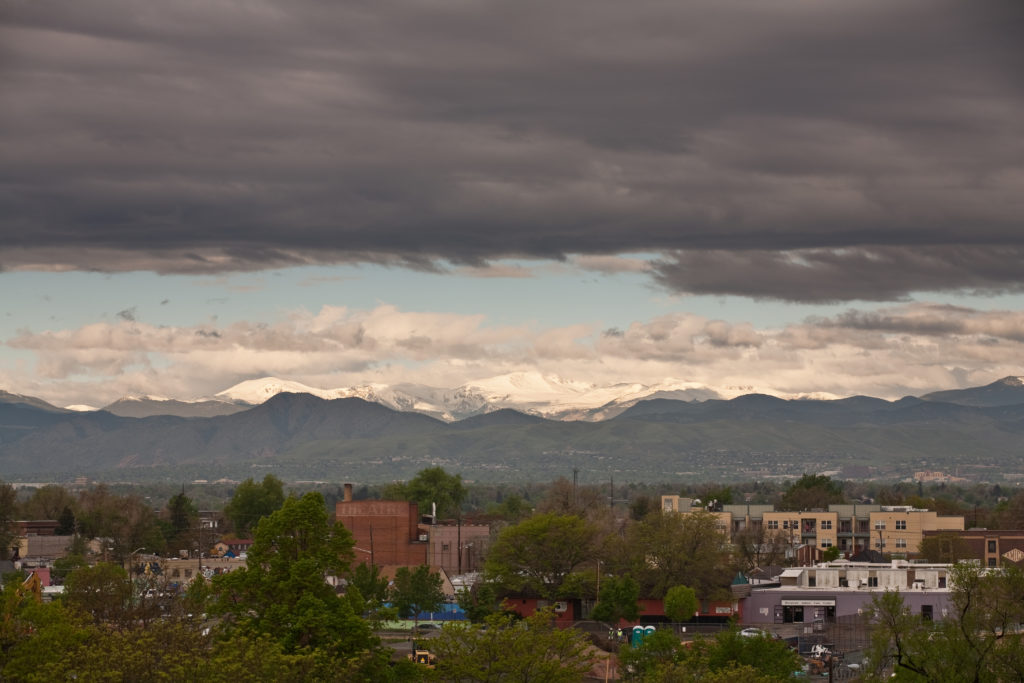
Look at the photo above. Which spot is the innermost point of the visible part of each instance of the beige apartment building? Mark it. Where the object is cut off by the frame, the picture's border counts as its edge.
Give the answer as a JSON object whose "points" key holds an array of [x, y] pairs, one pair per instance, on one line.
{"points": [[853, 528], [899, 529]]}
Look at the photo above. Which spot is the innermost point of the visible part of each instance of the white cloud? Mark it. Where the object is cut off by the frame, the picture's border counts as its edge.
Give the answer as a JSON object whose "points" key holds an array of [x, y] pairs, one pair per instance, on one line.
{"points": [[886, 352]]}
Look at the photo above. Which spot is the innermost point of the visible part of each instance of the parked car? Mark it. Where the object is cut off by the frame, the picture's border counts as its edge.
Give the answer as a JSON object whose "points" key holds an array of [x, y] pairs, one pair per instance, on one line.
{"points": [[755, 633]]}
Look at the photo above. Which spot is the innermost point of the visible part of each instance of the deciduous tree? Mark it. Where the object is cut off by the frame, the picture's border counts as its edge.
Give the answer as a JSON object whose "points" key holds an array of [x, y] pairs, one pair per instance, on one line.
{"points": [[416, 590], [429, 486], [977, 640], [541, 552], [670, 549], [811, 492], [510, 650], [252, 502], [617, 600], [680, 603], [282, 592]]}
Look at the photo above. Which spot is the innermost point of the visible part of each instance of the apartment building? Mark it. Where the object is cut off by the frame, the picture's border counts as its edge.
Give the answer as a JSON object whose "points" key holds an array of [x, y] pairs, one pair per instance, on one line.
{"points": [[853, 528], [899, 529]]}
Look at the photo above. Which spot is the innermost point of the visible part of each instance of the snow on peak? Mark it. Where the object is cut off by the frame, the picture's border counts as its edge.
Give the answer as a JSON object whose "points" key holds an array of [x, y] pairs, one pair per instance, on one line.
{"points": [[259, 390], [81, 408]]}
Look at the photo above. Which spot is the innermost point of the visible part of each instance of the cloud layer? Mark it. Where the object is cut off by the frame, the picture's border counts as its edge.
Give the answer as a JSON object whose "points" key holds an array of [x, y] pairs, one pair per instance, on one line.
{"points": [[822, 151], [887, 353]]}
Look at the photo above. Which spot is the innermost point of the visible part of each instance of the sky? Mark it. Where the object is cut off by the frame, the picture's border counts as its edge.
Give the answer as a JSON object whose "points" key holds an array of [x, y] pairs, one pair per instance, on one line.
{"points": [[802, 198]]}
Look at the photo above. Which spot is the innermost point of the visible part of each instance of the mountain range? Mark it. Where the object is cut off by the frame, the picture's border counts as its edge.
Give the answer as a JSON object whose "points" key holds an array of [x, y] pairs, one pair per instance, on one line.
{"points": [[547, 396], [976, 433]]}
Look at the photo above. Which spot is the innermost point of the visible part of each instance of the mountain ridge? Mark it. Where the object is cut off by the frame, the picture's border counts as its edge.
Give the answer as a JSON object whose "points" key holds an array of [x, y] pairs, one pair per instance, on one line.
{"points": [[753, 436]]}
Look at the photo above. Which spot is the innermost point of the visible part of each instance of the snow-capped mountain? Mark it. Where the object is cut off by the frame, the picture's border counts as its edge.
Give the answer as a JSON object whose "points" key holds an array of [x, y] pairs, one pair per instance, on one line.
{"points": [[549, 396]]}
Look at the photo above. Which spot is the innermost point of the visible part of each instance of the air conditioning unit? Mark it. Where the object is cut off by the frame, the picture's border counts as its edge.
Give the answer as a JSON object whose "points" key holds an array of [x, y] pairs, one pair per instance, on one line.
{"points": [[561, 606], [423, 537]]}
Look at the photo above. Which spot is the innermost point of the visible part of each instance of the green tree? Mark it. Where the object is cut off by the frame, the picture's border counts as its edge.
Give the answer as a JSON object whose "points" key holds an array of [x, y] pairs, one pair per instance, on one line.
{"points": [[978, 640], [617, 600], [680, 603], [417, 590], [641, 506], [811, 492], [66, 523], [768, 656], [655, 652], [512, 509], [8, 500], [47, 502], [479, 601], [540, 553], [669, 549], [367, 579], [429, 486], [509, 650], [102, 592], [182, 523], [725, 658], [252, 502], [125, 522], [34, 636], [282, 592]]}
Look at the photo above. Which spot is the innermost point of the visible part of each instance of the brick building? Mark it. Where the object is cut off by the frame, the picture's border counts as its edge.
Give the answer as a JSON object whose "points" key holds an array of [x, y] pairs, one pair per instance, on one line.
{"points": [[459, 548], [386, 532], [991, 547]]}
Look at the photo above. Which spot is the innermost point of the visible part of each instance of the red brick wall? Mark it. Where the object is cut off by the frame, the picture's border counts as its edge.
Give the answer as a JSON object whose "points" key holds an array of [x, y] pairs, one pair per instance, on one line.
{"points": [[387, 528]]}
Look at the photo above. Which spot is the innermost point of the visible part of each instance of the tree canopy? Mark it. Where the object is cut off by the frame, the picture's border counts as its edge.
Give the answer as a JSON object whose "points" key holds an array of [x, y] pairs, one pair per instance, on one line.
{"points": [[416, 590], [977, 640], [617, 600], [669, 549], [252, 502], [429, 486], [509, 650], [540, 553], [811, 492], [281, 593]]}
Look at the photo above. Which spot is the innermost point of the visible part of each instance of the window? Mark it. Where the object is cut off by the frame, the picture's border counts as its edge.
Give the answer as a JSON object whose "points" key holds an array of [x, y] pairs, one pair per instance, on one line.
{"points": [[826, 524], [773, 524], [785, 524], [872, 582], [901, 524], [880, 544], [668, 504], [879, 523], [926, 612], [901, 543], [991, 546], [446, 546], [992, 561], [812, 581], [826, 543]]}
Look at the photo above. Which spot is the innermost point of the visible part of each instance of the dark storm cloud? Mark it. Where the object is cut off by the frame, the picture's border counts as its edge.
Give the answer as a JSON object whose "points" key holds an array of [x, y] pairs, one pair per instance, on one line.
{"points": [[793, 150]]}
